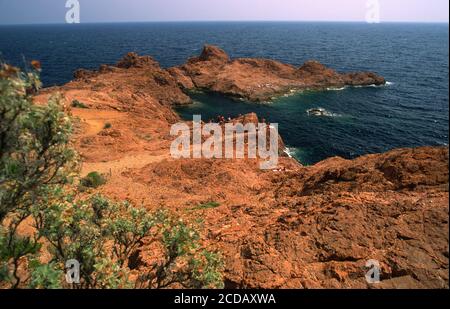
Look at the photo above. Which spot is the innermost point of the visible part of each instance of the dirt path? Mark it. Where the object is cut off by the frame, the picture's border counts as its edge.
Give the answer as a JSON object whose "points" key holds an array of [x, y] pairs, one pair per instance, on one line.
{"points": [[137, 160], [95, 121]]}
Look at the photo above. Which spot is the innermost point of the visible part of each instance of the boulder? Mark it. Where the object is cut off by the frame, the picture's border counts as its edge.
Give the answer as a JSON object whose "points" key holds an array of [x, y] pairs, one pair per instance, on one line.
{"points": [[133, 60]]}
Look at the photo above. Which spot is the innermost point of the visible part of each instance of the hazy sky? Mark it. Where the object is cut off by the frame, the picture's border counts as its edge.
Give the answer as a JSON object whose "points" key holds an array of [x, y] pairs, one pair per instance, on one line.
{"points": [[53, 11]]}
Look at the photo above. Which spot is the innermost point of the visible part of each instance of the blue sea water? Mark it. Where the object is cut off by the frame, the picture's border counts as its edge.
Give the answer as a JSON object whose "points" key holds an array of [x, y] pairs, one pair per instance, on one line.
{"points": [[411, 111]]}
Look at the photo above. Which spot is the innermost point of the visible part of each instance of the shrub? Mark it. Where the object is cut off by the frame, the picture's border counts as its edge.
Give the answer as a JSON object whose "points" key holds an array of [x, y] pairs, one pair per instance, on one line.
{"points": [[45, 276], [37, 165], [93, 180], [107, 125], [34, 144], [207, 205], [35, 156], [78, 104], [184, 263], [79, 230], [104, 235]]}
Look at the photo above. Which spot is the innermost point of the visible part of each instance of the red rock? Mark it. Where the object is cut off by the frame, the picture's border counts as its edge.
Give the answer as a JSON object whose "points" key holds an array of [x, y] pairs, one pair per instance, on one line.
{"points": [[133, 60], [213, 53], [261, 79], [363, 79], [184, 82], [303, 227], [83, 74]]}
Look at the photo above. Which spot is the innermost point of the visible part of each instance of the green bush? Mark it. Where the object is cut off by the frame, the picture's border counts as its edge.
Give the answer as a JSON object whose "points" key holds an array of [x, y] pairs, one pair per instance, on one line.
{"points": [[207, 205], [93, 180], [107, 126], [78, 104], [45, 276], [184, 264], [37, 165], [35, 156], [104, 235]]}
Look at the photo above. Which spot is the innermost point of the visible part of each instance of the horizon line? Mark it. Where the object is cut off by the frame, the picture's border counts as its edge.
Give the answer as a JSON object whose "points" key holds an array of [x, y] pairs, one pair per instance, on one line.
{"points": [[231, 21]]}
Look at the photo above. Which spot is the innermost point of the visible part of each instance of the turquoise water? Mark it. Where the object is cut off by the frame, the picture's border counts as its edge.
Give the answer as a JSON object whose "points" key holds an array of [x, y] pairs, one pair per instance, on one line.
{"points": [[411, 111], [355, 126]]}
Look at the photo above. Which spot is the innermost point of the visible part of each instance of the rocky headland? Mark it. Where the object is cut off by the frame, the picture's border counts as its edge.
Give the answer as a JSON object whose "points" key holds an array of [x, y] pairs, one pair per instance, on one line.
{"points": [[261, 79], [292, 227], [250, 79]]}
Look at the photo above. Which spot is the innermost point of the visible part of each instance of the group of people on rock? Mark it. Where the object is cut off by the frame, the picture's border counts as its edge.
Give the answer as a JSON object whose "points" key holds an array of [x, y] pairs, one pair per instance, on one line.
{"points": [[221, 119]]}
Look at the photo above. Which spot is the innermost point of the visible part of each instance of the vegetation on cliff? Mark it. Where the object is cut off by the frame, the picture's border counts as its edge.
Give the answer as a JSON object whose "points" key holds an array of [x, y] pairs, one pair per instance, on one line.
{"points": [[45, 222]]}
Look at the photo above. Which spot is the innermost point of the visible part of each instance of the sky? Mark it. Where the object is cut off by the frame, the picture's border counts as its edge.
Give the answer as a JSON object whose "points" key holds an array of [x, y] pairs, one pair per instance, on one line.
{"points": [[54, 11]]}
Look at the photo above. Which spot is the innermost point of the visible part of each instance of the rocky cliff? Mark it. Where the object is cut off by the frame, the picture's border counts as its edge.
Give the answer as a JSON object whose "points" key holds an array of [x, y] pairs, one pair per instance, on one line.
{"points": [[291, 227], [261, 79]]}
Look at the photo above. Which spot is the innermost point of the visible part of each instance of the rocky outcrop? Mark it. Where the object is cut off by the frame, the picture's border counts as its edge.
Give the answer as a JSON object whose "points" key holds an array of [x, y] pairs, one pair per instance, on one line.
{"points": [[363, 79], [130, 60], [212, 53], [84, 74], [318, 226], [243, 78], [183, 81], [133, 60], [147, 78], [261, 79], [254, 119], [290, 227], [328, 220]]}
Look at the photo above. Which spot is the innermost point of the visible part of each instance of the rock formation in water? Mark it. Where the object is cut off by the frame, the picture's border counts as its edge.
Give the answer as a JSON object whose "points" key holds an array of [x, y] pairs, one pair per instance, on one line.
{"points": [[260, 79]]}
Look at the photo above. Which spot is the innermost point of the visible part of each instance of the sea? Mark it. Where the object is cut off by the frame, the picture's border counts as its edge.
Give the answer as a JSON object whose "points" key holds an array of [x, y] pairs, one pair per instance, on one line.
{"points": [[410, 111]]}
